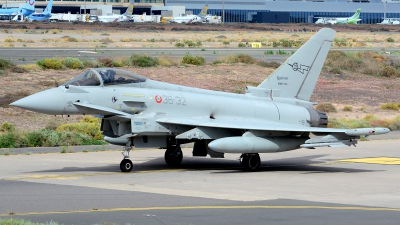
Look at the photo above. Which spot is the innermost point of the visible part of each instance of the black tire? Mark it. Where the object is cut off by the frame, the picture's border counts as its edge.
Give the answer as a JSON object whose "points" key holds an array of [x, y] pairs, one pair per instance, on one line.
{"points": [[173, 157], [126, 165], [251, 162]]}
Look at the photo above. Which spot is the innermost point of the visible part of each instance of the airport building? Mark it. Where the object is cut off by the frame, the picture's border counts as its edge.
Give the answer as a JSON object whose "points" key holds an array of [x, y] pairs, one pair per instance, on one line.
{"points": [[256, 11], [284, 11]]}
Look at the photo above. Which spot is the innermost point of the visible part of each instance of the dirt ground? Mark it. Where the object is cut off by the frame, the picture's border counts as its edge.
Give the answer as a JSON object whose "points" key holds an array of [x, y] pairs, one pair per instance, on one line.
{"points": [[364, 93]]}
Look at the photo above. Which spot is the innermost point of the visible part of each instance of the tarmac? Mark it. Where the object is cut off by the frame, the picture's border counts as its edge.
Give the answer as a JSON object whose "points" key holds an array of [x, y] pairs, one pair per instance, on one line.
{"points": [[357, 185]]}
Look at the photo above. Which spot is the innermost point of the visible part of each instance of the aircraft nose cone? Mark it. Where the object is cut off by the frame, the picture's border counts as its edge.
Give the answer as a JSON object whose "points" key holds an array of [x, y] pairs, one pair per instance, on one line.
{"points": [[50, 101]]}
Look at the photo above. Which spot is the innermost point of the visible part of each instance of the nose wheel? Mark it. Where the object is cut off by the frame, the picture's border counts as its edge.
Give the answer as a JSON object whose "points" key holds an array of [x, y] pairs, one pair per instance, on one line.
{"points": [[250, 162], [126, 165]]}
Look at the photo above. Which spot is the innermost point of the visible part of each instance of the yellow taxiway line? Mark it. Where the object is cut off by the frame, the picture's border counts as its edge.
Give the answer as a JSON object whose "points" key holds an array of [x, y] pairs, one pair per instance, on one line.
{"points": [[349, 208]]}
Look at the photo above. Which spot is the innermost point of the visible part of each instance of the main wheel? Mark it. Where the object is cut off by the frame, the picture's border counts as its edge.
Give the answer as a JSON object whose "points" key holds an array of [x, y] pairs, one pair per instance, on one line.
{"points": [[126, 165], [251, 162], [173, 156]]}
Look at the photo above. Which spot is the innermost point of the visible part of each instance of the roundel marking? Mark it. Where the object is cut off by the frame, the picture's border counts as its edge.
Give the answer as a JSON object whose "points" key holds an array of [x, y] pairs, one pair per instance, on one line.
{"points": [[158, 99]]}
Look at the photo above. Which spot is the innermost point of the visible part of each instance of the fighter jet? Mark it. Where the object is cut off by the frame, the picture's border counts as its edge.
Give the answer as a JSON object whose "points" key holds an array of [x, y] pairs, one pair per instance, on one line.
{"points": [[275, 116]]}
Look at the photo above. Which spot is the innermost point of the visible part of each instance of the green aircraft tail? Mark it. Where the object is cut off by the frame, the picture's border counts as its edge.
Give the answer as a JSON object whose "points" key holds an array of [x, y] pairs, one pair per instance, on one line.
{"points": [[297, 76], [357, 14]]}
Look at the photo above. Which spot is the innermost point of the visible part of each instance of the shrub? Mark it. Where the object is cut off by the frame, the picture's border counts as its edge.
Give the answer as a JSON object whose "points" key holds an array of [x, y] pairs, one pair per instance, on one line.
{"points": [[244, 58], [8, 40], [391, 106], [71, 39], [35, 138], [286, 43], [68, 138], [5, 64], [344, 61], [237, 58], [6, 127], [269, 52], [50, 63], [389, 71], [281, 52], [107, 62], [143, 61], [226, 42], [90, 129], [335, 70], [190, 44], [339, 42], [18, 69], [269, 64], [118, 63], [389, 39], [241, 45], [89, 63], [7, 140], [50, 138], [52, 124], [348, 108], [326, 107], [179, 45], [167, 61], [193, 60], [73, 63]]}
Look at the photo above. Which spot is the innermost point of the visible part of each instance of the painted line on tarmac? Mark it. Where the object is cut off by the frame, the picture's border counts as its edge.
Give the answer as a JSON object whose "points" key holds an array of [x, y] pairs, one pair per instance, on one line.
{"points": [[374, 160], [348, 208]]}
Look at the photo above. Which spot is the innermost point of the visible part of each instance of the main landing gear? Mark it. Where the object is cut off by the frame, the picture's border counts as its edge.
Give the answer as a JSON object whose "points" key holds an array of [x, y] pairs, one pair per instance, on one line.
{"points": [[173, 155], [126, 164], [250, 162]]}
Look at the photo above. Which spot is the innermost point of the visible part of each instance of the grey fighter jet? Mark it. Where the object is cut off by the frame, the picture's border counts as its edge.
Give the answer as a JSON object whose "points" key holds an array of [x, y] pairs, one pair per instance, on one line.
{"points": [[275, 116]]}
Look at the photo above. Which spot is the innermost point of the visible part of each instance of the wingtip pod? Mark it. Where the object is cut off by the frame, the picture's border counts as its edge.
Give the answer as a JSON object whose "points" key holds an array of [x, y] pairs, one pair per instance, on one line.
{"points": [[367, 131]]}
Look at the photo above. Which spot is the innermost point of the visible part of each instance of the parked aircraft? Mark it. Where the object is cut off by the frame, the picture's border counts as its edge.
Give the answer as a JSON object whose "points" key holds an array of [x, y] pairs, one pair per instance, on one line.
{"points": [[340, 20], [118, 18], [201, 17], [275, 116], [391, 21], [45, 15], [25, 10]]}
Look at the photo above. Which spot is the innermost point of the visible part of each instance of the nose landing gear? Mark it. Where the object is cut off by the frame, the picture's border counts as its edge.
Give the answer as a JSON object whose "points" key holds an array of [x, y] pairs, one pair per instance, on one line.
{"points": [[126, 164]]}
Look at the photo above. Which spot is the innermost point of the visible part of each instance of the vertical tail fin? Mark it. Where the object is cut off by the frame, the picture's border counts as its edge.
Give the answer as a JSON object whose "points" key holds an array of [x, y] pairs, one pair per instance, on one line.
{"points": [[29, 5], [357, 14], [203, 12], [49, 7], [129, 10], [297, 76]]}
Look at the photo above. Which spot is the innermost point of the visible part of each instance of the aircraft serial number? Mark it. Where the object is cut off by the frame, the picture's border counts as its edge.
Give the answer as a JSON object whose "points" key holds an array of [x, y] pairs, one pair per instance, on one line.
{"points": [[174, 100]]}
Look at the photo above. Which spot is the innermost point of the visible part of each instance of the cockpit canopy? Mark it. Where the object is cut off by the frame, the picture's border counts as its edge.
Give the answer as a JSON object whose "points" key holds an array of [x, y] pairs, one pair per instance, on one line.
{"points": [[105, 77]]}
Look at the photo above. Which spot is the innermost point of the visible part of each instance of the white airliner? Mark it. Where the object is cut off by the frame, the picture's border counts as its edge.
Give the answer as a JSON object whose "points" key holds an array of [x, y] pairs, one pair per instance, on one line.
{"points": [[391, 21], [340, 20], [116, 17], [199, 18]]}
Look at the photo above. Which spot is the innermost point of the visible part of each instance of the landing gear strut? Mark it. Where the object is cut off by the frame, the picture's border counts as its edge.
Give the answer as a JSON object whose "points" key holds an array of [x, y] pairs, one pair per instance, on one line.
{"points": [[126, 164], [173, 155], [250, 162]]}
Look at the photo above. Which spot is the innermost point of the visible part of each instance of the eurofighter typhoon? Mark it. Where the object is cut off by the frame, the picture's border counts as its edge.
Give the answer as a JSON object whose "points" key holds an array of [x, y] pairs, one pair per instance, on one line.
{"points": [[275, 116]]}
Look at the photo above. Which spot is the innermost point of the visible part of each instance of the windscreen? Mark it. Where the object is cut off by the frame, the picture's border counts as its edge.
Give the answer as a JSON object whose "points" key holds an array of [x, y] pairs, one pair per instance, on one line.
{"points": [[116, 77], [87, 78]]}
